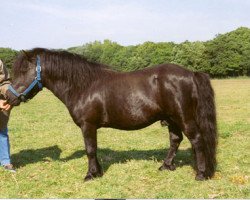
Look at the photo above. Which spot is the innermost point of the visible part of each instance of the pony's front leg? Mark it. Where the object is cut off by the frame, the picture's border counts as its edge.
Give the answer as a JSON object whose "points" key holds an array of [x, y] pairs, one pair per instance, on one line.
{"points": [[90, 139]]}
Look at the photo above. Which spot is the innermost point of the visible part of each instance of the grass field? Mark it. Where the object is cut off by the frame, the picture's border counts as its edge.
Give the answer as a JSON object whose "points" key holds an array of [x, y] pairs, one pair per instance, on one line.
{"points": [[47, 149]]}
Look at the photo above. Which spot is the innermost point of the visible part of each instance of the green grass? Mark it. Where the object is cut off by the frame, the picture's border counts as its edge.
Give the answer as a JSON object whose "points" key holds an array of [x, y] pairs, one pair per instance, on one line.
{"points": [[47, 149]]}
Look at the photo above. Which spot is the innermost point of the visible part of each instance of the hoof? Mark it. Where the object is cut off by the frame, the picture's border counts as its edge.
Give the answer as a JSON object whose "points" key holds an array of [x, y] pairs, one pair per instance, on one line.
{"points": [[200, 177], [167, 167], [88, 177], [91, 176]]}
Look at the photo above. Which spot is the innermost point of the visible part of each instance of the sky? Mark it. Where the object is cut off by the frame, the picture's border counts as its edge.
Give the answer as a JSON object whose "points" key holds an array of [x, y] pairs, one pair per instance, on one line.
{"points": [[25, 24]]}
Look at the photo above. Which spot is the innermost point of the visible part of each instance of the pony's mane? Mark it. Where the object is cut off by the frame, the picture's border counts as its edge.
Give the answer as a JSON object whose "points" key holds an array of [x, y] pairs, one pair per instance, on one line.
{"points": [[64, 65]]}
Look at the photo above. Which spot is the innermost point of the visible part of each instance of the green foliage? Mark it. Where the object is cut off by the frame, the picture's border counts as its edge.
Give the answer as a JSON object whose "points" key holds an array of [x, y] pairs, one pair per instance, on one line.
{"points": [[224, 56], [154, 53], [190, 55], [124, 60], [229, 54], [7, 55]]}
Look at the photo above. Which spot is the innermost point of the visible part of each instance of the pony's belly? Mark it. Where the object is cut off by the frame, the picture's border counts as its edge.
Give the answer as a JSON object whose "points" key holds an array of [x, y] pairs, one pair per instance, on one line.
{"points": [[132, 120], [130, 126]]}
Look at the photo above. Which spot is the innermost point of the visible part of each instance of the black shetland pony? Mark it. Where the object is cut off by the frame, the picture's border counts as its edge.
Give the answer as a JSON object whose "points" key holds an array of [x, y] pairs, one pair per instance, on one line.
{"points": [[96, 96]]}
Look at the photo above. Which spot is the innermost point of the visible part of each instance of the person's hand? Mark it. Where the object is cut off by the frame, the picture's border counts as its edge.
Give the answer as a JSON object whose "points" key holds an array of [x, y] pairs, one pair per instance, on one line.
{"points": [[4, 105]]}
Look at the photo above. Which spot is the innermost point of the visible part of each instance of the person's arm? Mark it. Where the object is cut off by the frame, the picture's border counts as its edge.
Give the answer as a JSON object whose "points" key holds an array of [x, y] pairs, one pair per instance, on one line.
{"points": [[4, 83], [4, 79]]}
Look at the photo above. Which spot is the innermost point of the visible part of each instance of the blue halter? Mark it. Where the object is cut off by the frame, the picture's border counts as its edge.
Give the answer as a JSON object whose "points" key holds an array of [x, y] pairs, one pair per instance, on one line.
{"points": [[23, 96]]}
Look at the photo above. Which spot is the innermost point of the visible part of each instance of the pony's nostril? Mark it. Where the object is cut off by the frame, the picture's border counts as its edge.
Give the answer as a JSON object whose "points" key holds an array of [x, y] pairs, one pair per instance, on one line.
{"points": [[22, 98]]}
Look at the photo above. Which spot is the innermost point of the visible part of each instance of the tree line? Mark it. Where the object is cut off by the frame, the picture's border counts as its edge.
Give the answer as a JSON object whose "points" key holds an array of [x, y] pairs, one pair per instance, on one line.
{"points": [[224, 56]]}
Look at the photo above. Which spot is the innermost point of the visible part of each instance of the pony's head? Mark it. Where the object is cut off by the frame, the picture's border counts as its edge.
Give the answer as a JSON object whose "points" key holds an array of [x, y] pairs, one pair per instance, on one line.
{"points": [[26, 78]]}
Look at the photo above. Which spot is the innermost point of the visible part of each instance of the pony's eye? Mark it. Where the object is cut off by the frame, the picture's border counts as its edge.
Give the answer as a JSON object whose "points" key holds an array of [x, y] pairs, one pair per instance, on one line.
{"points": [[24, 69], [26, 66]]}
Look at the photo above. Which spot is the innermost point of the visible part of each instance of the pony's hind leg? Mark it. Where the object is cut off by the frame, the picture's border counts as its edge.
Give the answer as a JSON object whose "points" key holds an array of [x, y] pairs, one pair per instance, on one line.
{"points": [[90, 140], [197, 142], [176, 137]]}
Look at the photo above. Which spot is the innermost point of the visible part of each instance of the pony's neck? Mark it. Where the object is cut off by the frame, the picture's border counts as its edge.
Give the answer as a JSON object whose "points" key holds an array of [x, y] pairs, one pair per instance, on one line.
{"points": [[69, 82], [60, 89]]}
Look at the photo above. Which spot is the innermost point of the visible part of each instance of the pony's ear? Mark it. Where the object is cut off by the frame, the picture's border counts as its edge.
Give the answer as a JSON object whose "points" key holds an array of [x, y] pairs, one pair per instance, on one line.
{"points": [[26, 55]]}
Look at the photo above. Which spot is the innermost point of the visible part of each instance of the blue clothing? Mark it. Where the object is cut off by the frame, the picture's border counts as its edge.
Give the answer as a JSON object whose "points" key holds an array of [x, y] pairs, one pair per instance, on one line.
{"points": [[4, 147]]}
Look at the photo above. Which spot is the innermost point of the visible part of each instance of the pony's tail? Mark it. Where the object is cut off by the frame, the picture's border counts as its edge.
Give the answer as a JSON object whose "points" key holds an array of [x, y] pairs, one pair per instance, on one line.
{"points": [[206, 120]]}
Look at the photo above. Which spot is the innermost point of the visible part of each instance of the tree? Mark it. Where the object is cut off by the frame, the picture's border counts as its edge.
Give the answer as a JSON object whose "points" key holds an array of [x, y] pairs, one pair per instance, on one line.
{"points": [[228, 54], [122, 58], [190, 55], [109, 49], [7, 55], [154, 53]]}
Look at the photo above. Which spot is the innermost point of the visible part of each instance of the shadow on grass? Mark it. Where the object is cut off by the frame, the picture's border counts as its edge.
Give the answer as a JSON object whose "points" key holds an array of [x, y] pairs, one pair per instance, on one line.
{"points": [[106, 156], [29, 156], [109, 157]]}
